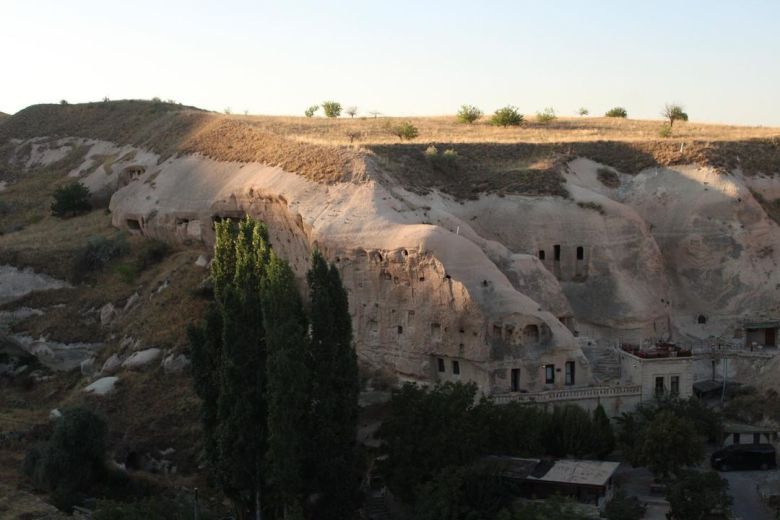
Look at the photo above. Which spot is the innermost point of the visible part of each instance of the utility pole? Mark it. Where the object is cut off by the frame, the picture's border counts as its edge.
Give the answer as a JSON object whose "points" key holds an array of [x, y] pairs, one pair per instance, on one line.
{"points": [[725, 375]]}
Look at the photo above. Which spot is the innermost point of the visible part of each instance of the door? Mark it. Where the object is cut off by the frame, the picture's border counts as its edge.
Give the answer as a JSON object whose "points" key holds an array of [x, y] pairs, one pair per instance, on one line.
{"points": [[770, 337]]}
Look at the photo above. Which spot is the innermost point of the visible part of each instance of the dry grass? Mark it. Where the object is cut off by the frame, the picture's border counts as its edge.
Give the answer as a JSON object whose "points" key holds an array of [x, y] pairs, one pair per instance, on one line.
{"points": [[445, 129], [523, 160]]}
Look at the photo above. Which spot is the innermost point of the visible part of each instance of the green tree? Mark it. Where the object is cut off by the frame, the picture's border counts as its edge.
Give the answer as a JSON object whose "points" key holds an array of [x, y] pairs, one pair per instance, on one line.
{"points": [[507, 116], [468, 114], [427, 430], [667, 444], [476, 491], [617, 112], [623, 507], [71, 200], [513, 428], [583, 111], [698, 495], [288, 380], [72, 459], [331, 108], [309, 112], [570, 431], [674, 113], [405, 131], [334, 392], [604, 437], [230, 375]]}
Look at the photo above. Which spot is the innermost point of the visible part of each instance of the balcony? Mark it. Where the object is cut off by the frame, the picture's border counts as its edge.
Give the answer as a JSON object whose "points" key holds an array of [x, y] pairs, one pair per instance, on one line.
{"points": [[573, 394]]}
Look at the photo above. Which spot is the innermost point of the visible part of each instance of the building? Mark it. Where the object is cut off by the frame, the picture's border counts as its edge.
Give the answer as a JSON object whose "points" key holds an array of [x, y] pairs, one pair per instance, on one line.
{"points": [[663, 370], [587, 481], [745, 434], [761, 333]]}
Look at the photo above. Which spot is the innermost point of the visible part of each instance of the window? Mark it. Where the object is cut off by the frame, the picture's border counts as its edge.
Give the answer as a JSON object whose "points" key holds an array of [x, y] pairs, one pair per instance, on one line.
{"points": [[659, 386], [702, 319], [549, 374], [580, 253], [515, 379], [440, 361], [455, 368], [736, 438], [674, 386], [557, 252], [400, 329], [541, 254], [569, 373], [531, 333], [756, 438]]}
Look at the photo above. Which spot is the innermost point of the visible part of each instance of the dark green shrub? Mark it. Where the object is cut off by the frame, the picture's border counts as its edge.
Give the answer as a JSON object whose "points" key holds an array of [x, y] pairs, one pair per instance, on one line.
{"points": [[468, 114], [699, 495], [152, 252], [583, 111], [72, 459], [71, 199], [309, 112], [623, 507], [331, 108], [405, 131], [98, 252], [617, 112], [507, 116]]}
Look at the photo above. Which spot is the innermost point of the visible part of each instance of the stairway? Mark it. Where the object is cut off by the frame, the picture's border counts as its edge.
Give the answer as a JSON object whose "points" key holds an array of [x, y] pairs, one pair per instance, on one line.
{"points": [[604, 362]]}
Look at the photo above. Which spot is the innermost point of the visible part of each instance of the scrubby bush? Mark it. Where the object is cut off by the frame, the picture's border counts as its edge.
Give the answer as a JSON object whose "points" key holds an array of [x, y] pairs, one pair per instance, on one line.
{"points": [[468, 114], [546, 116], [699, 495], [64, 102], [405, 131], [583, 111], [351, 111], [674, 113], [623, 507], [72, 459], [331, 108], [444, 160], [70, 200], [507, 116], [98, 251], [617, 112], [665, 130], [309, 112], [228, 111]]}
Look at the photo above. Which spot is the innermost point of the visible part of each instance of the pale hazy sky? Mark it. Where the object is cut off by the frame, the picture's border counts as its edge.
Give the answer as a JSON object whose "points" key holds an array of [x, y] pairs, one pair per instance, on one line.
{"points": [[721, 60]]}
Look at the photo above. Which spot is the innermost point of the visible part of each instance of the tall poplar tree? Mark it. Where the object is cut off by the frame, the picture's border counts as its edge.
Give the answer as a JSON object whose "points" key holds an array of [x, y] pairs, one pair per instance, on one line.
{"points": [[229, 365], [287, 395], [334, 393]]}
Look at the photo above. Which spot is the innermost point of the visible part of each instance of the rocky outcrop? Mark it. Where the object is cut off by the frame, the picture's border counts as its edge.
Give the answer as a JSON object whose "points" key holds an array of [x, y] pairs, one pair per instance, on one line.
{"points": [[493, 287]]}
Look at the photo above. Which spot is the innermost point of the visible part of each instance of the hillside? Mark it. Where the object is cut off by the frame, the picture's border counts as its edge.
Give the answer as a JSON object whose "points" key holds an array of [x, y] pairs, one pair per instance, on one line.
{"points": [[528, 246]]}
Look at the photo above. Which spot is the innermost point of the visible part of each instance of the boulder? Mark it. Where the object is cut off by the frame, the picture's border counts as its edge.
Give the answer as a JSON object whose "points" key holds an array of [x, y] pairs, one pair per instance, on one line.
{"points": [[131, 301], [142, 358], [111, 365], [201, 261], [107, 314], [55, 414], [173, 364], [102, 386]]}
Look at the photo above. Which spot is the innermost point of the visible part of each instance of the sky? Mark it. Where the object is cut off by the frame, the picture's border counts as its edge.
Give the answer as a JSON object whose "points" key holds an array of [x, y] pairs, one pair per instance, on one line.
{"points": [[720, 60]]}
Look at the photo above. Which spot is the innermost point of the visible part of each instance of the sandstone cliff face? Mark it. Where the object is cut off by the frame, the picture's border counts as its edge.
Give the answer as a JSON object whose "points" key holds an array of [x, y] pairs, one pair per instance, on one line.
{"points": [[488, 285]]}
